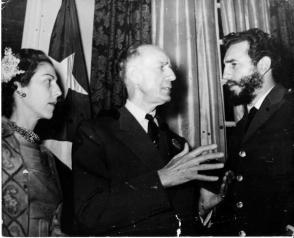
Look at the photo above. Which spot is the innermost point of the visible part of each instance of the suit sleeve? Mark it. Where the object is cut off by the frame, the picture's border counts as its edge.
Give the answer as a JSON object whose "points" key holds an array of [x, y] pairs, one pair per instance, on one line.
{"points": [[100, 206]]}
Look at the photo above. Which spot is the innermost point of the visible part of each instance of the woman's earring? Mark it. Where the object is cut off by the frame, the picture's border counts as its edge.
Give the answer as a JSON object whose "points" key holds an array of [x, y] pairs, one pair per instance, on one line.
{"points": [[21, 93]]}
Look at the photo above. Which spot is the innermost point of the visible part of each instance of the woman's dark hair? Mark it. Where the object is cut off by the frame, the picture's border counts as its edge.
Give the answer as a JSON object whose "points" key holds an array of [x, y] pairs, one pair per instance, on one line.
{"points": [[262, 44], [29, 61]]}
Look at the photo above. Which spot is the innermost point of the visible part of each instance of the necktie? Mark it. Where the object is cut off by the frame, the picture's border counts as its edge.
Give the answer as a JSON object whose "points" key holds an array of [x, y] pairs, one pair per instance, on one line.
{"points": [[153, 130], [250, 116]]}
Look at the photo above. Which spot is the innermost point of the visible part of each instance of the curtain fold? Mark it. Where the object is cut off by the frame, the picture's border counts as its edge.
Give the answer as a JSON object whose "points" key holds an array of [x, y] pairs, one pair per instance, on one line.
{"points": [[240, 15], [282, 22], [186, 30], [282, 28], [117, 25]]}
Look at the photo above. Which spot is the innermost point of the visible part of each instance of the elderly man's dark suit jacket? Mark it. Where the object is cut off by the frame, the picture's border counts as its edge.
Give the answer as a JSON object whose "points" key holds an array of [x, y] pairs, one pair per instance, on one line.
{"points": [[261, 199], [116, 187]]}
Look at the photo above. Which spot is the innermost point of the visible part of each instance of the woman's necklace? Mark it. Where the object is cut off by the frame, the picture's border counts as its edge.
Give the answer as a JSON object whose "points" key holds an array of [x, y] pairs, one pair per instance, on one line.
{"points": [[28, 135]]}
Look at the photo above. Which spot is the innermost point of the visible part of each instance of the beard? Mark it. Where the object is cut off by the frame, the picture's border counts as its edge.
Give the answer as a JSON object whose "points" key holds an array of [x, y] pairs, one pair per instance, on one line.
{"points": [[248, 85]]}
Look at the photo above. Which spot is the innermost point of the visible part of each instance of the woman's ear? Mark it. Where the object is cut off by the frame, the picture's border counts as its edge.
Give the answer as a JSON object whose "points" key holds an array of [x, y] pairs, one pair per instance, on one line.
{"points": [[17, 84], [264, 65], [20, 91]]}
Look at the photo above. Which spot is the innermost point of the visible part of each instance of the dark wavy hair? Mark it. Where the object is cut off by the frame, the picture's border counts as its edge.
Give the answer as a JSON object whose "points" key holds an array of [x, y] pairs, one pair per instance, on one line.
{"points": [[29, 61], [262, 44]]}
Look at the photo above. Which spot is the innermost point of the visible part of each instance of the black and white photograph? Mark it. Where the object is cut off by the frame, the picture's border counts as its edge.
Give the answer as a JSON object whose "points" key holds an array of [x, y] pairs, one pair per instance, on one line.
{"points": [[147, 118]]}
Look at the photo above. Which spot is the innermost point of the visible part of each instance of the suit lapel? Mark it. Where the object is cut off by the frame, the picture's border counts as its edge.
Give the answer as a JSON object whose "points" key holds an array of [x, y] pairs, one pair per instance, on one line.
{"points": [[136, 139], [269, 106], [163, 145]]}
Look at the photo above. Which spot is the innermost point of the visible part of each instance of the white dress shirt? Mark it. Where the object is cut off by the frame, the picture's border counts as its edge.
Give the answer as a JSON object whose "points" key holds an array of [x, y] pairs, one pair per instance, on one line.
{"points": [[140, 114]]}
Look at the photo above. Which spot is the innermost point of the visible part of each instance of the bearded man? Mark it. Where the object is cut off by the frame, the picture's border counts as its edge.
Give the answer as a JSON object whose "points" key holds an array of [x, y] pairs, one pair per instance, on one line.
{"points": [[260, 199]]}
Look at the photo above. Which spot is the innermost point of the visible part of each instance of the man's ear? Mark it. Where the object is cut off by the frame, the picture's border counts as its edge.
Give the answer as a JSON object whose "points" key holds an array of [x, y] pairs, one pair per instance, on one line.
{"points": [[264, 65], [134, 74]]}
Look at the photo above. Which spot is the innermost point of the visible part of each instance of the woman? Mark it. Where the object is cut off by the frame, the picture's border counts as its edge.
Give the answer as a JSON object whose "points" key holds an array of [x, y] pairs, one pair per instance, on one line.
{"points": [[31, 196]]}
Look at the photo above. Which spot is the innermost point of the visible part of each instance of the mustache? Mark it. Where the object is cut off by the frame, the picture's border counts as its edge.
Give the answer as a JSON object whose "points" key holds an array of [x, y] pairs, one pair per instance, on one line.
{"points": [[231, 83]]}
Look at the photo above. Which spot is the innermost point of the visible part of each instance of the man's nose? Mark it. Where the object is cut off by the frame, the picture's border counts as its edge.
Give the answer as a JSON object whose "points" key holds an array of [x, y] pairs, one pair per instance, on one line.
{"points": [[227, 73], [171, 74]]}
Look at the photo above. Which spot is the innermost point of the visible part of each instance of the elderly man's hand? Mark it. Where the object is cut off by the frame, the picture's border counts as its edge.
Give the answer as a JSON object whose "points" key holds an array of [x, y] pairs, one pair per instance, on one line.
{"points": [[185, 166]]}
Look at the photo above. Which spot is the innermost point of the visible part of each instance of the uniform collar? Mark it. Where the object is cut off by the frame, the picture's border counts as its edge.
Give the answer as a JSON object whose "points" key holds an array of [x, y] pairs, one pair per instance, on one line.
{"points": [[258, 103]]}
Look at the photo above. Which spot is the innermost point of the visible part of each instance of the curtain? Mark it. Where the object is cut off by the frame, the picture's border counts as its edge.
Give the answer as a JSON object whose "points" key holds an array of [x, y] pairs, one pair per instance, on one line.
{"points": [[186, 30], [282, 21], [117, 25], [282, 28], [13, 15], [240, 15]]}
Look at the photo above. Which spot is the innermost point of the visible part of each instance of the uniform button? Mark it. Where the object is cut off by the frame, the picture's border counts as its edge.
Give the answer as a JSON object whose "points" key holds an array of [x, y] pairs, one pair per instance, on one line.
{"points": [[242, 233], [239, 178], [239, 204], [25, 171], [242, 154]]}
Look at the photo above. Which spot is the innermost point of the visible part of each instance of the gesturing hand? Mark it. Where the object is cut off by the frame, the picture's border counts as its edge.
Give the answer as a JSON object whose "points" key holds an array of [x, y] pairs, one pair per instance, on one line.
{"points": [[209, 200], [184, 166]]}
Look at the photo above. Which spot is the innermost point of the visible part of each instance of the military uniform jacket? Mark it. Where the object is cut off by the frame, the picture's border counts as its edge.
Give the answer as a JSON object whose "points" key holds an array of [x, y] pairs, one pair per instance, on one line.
{"points": [[117, 190], [261, 199]]}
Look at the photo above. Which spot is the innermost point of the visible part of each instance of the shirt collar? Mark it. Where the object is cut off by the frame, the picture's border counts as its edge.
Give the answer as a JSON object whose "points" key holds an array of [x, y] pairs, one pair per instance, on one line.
{"points": [[258, 103], [137, 112]]}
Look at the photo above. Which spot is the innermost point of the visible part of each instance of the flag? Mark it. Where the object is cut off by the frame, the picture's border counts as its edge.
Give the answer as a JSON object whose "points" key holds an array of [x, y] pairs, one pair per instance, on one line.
{"points": [[66, 52]]}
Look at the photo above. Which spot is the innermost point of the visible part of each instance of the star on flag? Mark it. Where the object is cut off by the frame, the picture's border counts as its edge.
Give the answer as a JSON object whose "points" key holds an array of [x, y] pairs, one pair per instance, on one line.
{"points": [[64, 69]]}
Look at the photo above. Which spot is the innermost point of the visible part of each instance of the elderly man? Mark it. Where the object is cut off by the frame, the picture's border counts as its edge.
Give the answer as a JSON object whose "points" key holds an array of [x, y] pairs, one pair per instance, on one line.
{"points": [[260, 201], [132, 175]]}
